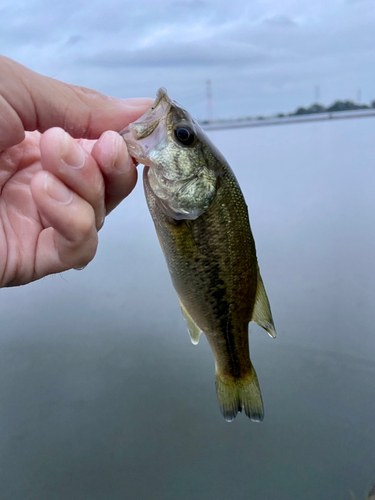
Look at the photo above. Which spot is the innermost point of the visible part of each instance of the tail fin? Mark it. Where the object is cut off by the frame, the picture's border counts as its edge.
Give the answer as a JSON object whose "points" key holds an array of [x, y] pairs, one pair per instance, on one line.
{"points": [[234, 394]]}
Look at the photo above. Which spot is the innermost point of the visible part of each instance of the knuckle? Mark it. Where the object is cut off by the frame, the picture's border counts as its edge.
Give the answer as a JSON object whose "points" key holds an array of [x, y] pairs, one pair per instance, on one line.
{"points": [[86, 227], [81, 223], [85, 251], [89, 254]]}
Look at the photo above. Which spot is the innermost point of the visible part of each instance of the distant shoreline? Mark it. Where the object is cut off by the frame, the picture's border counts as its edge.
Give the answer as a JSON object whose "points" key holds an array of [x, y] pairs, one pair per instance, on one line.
{"points": [[290, 119]]}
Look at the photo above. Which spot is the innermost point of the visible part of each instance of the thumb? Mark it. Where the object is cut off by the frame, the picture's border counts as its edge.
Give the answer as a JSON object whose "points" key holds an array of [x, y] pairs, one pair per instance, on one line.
{"points": [[30, 101]]}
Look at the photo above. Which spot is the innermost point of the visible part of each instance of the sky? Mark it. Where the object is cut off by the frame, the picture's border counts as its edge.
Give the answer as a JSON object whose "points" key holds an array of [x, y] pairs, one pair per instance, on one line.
{"points": [[262, 56]]}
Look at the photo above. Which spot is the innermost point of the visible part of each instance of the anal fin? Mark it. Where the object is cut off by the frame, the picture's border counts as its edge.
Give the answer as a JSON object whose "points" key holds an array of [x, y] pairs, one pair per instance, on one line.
{"points": [[262, 315], [194, 330]]}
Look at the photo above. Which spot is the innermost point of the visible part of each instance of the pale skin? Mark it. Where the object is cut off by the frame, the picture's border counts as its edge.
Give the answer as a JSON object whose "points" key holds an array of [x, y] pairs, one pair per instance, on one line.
{"points": [[63, 168]]}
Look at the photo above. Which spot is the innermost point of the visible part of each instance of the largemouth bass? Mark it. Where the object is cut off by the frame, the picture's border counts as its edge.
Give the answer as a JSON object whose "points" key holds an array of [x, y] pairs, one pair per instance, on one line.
{"points": [[202, 222]]}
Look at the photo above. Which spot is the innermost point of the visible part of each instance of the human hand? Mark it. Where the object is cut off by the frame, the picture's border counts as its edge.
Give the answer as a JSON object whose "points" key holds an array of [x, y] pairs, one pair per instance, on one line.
{"points": [[56, 190]]}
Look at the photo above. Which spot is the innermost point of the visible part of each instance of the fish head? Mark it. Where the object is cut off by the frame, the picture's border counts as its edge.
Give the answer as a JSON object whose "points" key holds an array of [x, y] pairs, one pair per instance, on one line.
{"points": [[184, 165]]}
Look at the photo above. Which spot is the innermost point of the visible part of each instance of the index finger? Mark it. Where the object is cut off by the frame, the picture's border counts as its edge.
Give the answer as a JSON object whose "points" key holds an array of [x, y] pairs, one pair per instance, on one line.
{"points": [[31, 101]]}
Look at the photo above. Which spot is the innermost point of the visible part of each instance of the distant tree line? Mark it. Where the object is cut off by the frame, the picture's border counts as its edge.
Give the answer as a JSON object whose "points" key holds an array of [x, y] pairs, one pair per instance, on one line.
{"points": [[314, 108], [336, 106]]}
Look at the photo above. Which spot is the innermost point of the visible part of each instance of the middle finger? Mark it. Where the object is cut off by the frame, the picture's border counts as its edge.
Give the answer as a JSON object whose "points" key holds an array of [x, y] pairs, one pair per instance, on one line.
{"points": [[75, 167]]}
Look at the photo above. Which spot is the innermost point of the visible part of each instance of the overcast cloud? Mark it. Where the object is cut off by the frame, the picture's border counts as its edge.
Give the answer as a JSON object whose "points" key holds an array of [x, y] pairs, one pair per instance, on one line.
{"points": [[262, 56]]}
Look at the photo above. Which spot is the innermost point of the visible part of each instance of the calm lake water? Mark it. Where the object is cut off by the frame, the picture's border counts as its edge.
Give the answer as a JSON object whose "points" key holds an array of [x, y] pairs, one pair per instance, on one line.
{"points": [[103, 396]]}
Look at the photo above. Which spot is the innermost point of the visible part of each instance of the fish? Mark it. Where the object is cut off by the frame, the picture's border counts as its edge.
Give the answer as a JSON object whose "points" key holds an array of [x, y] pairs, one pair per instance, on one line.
{"points": [[202, 222]]}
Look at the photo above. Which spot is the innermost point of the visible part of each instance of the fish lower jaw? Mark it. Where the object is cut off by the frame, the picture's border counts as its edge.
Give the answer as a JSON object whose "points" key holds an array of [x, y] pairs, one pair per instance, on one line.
{"points": [[137, 153]]}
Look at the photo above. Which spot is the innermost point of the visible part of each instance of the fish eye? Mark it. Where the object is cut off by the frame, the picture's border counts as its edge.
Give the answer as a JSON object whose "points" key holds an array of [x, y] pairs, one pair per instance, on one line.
{"points": [[184, 135]]}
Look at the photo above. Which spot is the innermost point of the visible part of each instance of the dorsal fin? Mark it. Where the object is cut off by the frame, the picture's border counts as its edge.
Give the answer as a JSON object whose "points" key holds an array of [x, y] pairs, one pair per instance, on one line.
{"points": [[194, 330], [262, 315]]}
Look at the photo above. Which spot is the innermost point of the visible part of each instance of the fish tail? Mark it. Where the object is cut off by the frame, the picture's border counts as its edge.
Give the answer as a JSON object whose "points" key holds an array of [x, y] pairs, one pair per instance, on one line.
{"points": [[235, 394]]}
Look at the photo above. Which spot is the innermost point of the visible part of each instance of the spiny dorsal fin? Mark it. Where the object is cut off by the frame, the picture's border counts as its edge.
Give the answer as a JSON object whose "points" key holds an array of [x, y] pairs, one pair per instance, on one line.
{"points": [[262, 315], [194, 330]]}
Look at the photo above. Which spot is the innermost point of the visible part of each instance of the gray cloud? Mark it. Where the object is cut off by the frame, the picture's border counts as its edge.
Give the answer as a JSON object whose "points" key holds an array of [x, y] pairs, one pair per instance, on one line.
{"points": [[182, 54], [74, 39], [280, 21], [261, 57]]}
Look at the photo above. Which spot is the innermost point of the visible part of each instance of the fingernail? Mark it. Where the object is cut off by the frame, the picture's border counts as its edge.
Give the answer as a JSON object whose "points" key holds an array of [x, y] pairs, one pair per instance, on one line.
{"points": [[139, 102], [71, 153], [123, 163], [113, 153], [56, 190], [101, 223]]}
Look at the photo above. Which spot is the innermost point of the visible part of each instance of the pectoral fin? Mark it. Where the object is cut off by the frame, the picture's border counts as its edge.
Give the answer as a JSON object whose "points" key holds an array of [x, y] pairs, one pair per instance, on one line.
{"points": [[262, 315], [194, 330]]}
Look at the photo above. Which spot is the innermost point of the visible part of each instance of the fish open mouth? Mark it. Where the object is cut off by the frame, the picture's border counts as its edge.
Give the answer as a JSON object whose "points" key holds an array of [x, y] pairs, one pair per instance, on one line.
{"points": [[145, 133]]}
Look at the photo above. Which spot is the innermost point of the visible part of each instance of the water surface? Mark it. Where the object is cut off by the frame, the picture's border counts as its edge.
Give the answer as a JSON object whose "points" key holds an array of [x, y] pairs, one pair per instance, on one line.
{"points": [[104, 396]]}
